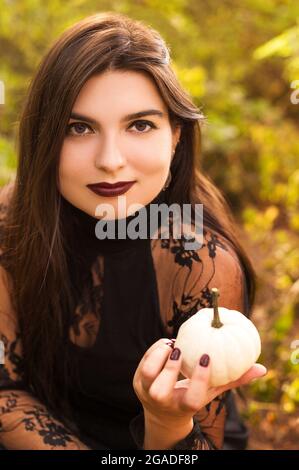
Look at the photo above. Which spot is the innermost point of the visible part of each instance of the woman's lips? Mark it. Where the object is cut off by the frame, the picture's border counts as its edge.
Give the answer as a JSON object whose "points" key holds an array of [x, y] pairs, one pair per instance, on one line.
{"points": [[110, 190]]}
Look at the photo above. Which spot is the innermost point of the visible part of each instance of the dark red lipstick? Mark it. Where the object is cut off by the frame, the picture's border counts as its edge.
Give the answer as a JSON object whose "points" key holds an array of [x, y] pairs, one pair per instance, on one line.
{"points": [[110, 190]]}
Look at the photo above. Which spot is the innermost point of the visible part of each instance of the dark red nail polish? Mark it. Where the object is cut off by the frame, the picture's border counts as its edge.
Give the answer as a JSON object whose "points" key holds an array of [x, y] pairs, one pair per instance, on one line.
{"points": [[175, 354], [204, 360], [170, 343]]}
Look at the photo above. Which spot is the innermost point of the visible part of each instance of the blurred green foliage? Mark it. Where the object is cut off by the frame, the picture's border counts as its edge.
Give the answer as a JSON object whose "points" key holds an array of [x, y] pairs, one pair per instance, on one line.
{"points": [[238, 60]]}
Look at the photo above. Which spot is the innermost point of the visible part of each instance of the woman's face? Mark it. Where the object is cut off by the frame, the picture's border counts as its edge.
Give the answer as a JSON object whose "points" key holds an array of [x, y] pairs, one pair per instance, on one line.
{"points": [[103, 145]]}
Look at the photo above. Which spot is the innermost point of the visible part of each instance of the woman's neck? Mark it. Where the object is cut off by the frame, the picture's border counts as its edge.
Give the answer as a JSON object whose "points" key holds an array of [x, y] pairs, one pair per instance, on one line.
{"points": [[88, 234]]}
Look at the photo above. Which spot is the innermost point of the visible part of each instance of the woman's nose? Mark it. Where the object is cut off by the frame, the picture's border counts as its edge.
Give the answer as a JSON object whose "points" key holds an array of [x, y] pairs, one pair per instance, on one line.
{"points": [[110, 159]]}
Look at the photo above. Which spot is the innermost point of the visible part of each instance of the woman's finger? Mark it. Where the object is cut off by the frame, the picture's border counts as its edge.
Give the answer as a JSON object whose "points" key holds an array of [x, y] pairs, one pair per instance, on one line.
{"points": [[255, 372], [198, 385], [162, 387], [182, 384], [153, 363], [157, 344]]}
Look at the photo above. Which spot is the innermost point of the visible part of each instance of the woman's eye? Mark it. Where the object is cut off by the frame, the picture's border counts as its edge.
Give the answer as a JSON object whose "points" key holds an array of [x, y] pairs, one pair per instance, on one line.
{"points": [[143, 123], [77, 128]]}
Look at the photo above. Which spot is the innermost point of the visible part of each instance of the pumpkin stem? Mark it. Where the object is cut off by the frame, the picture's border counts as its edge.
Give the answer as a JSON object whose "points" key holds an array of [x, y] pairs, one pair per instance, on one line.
{"points": [[216, 323]]}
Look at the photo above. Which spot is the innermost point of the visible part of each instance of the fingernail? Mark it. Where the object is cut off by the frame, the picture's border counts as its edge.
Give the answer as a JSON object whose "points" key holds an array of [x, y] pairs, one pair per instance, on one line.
{"points": [[170, 343], [175, 354], [263, 370], [204, 360], [168, 340]]}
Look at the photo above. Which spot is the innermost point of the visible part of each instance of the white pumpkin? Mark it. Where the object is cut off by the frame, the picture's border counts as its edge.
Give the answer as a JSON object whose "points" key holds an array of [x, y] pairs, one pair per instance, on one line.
{"points": [[227, 336]]}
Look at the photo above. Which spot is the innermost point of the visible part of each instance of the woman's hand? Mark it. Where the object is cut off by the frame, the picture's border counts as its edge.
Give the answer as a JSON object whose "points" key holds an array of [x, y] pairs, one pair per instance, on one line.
{"points": [[156, 384]]}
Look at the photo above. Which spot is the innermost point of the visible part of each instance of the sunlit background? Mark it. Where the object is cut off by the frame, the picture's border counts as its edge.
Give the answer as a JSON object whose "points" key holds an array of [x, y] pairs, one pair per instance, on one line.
{"points": [[240, 62]]}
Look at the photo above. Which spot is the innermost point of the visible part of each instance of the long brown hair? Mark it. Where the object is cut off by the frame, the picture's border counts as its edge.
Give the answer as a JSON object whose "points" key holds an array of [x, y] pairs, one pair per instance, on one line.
{"points": [[34, 244]]}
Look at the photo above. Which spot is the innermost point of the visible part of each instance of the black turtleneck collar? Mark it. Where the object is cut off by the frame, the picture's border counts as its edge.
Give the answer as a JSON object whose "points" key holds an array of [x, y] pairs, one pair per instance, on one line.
{"points": [[81, 229]]}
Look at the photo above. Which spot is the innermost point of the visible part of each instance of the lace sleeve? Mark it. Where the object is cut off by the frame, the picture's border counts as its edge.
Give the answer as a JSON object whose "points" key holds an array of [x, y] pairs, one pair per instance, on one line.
{"points": [[208, 427], [190, 276], [214, 264], [25, 423]]}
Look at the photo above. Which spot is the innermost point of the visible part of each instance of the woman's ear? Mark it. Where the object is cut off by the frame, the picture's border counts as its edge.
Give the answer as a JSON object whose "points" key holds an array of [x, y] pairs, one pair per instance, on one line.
{"points": [[176, 139], [176, 135]]}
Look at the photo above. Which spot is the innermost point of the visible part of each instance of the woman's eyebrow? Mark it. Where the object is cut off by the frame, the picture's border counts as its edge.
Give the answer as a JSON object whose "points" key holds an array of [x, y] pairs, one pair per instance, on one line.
{"points": [[148, 112]]}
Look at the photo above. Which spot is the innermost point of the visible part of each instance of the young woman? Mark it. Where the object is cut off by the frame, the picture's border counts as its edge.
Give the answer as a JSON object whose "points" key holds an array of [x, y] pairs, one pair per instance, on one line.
{"points": [[86, 322]]}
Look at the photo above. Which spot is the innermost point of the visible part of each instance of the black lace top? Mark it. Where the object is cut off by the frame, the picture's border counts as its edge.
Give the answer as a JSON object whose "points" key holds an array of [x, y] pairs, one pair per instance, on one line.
{"points": [[128, 294]]}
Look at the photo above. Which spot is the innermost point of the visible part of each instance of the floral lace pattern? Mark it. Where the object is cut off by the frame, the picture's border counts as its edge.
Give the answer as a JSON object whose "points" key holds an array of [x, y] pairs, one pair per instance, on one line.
{"points": [[27, 416], [86, 320]]}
